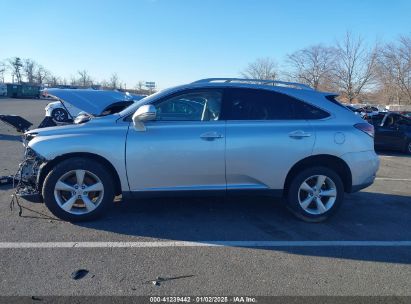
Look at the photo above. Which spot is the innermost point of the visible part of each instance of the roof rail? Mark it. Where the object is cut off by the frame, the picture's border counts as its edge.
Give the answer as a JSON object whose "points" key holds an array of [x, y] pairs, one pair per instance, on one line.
{"points": [[257, 81]]}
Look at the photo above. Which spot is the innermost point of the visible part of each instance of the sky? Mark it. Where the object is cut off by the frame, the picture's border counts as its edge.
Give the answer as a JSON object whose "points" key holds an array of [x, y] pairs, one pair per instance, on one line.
{"points": [[173, 42]]}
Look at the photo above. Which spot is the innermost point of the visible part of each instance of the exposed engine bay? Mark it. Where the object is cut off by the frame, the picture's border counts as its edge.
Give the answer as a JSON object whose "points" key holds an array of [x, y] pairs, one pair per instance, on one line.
{"points": [[27, 177]]}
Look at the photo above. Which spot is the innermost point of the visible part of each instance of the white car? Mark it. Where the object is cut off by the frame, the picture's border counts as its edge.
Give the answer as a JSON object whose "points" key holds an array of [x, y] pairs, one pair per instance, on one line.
{"points": [[72, 102], [60, 112]]}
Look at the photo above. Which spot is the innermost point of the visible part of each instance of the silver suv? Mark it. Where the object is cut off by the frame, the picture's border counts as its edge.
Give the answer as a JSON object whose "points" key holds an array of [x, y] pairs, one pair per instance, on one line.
{"points": [[220, 136]]}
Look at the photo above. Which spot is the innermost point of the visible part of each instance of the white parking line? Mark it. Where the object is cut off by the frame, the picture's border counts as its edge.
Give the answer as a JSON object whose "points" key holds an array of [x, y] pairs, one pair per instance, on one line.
{"points": [[394, 179], [45, 245]]}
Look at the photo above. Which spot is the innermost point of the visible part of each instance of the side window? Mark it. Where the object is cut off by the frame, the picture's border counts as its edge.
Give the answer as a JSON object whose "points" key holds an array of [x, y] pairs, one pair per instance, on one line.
{"points": [[305, 111], [389, 121], [377, 119], [193, 106], [251, 104]]}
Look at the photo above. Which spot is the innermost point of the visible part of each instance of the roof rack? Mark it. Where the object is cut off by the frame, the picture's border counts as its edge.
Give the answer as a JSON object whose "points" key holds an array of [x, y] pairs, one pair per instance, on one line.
{"points": [[257, 81]]}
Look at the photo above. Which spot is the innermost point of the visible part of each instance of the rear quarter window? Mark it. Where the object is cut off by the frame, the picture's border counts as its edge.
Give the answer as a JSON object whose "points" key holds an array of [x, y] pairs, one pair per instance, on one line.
{"points": [[306, 111]]}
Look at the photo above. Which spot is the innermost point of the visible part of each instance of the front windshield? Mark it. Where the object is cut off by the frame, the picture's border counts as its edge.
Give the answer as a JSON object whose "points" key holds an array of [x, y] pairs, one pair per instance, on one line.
{"points": [[146, 100]]}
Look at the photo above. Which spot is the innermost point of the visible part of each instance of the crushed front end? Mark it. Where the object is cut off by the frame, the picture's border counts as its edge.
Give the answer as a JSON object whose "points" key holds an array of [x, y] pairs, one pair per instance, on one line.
{"points": [[27, 176]]}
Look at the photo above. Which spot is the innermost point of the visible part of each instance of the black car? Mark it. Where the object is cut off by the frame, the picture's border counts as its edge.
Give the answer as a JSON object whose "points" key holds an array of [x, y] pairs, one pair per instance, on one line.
{"points": [[392, 132], [406, 113]]}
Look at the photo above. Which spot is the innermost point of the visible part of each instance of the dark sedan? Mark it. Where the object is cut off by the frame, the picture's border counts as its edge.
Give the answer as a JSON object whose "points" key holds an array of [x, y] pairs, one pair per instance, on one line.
{"points": [[406, 113], [392, 132]]}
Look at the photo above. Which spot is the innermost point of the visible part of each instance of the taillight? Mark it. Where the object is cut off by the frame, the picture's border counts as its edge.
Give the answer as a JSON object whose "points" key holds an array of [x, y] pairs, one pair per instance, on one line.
{"points": [[366, 128]]}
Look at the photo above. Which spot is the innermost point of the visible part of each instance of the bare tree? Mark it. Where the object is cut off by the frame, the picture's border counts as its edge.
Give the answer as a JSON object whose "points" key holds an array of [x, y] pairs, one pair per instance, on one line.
{"points": [[2, 71], [73, 81], [262, 68], [84, 79], [53, 80], [394, 66], [140, 85], [104, 84], [16, 65], [355, 66], [41, 74], [29, 69], [313, 66], [114, 83]]}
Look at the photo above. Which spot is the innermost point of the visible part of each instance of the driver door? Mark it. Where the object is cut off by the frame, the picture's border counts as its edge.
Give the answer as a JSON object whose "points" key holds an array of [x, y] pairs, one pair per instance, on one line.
{"points": [[183, 149]]}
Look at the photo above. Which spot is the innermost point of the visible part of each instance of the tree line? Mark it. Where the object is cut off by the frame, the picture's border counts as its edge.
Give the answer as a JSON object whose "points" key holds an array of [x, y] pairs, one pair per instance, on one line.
{"points": [[27, 70], [380, 73]]}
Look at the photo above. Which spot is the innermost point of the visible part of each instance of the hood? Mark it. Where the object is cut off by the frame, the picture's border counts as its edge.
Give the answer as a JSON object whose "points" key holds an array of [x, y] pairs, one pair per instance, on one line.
{"points": [[94, 125], [91, 101]]}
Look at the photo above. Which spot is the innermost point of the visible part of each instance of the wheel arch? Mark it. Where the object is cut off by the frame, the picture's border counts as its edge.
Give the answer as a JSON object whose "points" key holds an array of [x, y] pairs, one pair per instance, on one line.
{"points": [[51, 164], [333, 162]]}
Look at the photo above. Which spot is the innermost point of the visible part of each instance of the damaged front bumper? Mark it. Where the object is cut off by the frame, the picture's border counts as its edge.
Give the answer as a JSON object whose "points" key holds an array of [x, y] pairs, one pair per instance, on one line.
{"points": [[28, 175]]}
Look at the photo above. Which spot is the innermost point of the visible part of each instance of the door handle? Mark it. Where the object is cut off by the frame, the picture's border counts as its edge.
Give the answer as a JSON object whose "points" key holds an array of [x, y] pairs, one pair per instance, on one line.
{"points": [[298, 134], [211, 135]]}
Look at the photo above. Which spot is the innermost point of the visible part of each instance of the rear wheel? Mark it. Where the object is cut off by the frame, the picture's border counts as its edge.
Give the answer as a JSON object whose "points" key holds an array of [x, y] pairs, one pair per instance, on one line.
{"points": [[315, 194], [78, 189]]}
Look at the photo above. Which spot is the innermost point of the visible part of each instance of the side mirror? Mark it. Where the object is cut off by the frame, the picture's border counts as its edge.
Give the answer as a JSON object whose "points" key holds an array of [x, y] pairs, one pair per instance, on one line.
{"points": [[143, 113]]}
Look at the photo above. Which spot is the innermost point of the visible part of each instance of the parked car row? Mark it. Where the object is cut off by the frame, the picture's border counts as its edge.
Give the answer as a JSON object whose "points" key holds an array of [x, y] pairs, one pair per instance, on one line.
{"points": [[392, 129], [365, 111]]}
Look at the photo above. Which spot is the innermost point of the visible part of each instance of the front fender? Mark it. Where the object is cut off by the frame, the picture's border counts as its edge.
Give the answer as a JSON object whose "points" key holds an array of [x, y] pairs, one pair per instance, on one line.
{"points": [[106, 142]]}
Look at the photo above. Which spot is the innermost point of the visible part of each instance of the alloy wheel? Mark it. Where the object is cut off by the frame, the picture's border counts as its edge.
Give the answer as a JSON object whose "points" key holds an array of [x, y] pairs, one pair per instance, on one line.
{"points": [[317, 194], [59, 115], [79, 192]]}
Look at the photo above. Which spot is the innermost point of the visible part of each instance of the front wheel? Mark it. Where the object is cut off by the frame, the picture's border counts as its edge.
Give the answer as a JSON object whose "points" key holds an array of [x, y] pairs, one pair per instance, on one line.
{"points": [[78, 189], [315, 194]]}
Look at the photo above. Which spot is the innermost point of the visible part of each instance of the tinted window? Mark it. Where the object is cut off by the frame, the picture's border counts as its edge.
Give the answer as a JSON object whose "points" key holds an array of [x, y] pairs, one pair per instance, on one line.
{"points": [[377, 119], [249, 104], [305, 111], [193, 106]]}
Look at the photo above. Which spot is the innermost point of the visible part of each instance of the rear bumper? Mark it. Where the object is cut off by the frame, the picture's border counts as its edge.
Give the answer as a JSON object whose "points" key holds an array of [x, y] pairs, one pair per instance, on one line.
{"points": [[364, 167]]}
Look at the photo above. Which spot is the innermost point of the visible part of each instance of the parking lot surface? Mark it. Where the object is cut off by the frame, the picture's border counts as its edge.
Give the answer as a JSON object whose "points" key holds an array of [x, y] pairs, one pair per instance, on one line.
{"points": [[207, 246]]}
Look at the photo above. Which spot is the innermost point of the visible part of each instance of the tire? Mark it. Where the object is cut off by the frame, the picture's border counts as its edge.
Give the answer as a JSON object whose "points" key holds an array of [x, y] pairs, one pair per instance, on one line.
{"points": [[408, 148], [59, 115], [303, 200], [63, 187]]}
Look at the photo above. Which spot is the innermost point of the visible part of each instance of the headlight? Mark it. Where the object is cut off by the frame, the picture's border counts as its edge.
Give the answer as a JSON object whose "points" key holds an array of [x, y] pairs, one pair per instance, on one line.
{"points": [[82, 118]]}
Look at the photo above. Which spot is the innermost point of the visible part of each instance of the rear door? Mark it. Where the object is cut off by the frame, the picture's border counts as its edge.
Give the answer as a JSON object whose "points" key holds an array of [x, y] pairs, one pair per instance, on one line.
{"points": [[264, 138]]}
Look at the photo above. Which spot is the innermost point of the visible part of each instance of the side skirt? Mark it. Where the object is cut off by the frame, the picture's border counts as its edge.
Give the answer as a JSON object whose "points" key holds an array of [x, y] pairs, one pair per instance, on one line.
{"points": [[203, 193]]}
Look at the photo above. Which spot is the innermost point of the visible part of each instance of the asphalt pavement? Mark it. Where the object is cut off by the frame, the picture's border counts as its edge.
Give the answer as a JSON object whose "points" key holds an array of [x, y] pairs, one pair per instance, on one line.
{"points": [[207, 246]]}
